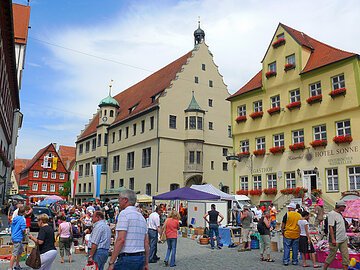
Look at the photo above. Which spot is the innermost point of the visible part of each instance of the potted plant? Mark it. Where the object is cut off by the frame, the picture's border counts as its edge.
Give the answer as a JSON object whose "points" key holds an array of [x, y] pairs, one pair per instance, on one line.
{"points": [[273, 110], [242, 192], [287, 191], [277, 149], [318, 143], [242, 154], [270, 191], [259, 152], [279, 42], [316, 192], [240, 118], [289, 66], [297, 146], [299, 192], [255, 192], [255, 115], [338, 92], [314, 99], [342, 139], [270, 74], [294, 105]]}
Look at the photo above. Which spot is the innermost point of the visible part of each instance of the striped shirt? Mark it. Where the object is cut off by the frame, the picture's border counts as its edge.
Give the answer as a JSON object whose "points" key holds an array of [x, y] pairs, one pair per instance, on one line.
{"points": [[133, 222], [100, 235]]}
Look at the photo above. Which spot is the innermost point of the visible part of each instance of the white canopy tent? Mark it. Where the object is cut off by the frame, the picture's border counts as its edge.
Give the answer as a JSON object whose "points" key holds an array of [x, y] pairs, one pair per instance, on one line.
{"points": [[208, 188]]}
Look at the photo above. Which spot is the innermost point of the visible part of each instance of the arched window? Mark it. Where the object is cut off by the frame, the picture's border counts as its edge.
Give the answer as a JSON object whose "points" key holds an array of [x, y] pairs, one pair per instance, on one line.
{"points": [[174, 186], [111, 113], [105, 112], [148, 189]]}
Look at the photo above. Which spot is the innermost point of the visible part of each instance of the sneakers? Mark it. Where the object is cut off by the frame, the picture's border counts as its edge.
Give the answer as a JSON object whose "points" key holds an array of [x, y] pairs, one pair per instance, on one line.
{"points": [[219, 247]]}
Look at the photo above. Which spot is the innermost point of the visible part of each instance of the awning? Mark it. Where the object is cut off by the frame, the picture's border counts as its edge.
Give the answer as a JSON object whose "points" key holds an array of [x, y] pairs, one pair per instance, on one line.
{"points": [[208, 188], [186, 194]]}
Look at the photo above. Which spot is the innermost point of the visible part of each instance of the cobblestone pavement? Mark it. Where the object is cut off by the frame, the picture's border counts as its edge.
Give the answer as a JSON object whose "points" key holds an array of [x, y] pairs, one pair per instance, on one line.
{"points": [[190, 256]]}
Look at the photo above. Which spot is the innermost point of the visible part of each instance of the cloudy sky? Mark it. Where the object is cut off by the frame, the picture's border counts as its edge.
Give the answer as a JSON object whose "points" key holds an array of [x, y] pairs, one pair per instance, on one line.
{"points": [[76, 47]]}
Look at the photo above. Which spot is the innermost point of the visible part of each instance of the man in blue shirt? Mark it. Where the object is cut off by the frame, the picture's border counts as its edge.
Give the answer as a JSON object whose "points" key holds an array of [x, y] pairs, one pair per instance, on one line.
{"points": [[18, 227]]}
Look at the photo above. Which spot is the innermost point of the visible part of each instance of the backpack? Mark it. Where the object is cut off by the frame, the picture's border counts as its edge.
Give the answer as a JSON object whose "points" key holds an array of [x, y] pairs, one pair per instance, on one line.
{"points": [[261, 227]]}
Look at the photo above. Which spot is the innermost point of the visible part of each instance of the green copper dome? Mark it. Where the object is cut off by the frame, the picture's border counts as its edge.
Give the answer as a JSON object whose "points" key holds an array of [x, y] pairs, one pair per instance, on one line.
{"points": [[193, 106], [109, 101]]}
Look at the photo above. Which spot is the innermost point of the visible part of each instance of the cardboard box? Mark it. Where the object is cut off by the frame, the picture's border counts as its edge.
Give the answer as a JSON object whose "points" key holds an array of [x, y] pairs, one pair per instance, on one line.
{"points": [[29, 249], [6, 249], [80, 251]]}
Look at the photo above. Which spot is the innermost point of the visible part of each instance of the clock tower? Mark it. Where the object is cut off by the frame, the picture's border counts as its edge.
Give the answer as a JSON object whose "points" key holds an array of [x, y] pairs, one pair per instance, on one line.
{"points": [[108, 109]]}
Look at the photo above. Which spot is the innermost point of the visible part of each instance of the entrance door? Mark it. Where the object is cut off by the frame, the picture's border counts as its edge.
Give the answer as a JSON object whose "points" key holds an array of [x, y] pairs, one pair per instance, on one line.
{"points": [[313, 182], [307, 184]]}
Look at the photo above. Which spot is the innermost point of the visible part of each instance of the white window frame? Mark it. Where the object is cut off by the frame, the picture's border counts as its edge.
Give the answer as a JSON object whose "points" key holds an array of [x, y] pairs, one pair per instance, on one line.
{"points": [[320, 132], [257, 182], [45, 175], [272, 67], [52, 187], [290, 59], [354, 176], [298, 136], [279, 140], [244, 182], [315, 89], [61, 187], [43, 187], [290, 180], [258, 106], [53, 175], [338, 81], [36, 174], [241, 110], [271, 180], [294, 95], [62, 176], [35, 186], [343, 128], [275, 101], [245, 146], [260, 143], [332, 179]]}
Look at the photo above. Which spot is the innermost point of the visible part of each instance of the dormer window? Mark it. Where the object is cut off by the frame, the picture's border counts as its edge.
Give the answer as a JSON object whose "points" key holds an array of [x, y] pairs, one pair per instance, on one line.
{"points": [[155, 97], [132, 108]]}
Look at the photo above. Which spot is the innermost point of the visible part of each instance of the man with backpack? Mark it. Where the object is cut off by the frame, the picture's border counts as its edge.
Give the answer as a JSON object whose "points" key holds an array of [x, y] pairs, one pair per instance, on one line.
{"points": [[337, 235]]}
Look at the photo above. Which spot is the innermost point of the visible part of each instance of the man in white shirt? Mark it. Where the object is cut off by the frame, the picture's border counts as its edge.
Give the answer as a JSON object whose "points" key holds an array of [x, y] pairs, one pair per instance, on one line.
{"points": [[154, 230], [258, 213]]}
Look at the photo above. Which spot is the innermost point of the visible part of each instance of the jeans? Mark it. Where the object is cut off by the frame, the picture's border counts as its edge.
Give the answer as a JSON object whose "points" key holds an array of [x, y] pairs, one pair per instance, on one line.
{"points": [[294, 244], [214, 231], [100, 257], [273, 224], [153, 239], [171, 243], [130, 263]]}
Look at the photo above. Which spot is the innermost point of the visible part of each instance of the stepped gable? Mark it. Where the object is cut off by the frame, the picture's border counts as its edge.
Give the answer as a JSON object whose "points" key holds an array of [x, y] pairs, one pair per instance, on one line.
{"points": [[140, 95], [254, 83], [321, 53]]}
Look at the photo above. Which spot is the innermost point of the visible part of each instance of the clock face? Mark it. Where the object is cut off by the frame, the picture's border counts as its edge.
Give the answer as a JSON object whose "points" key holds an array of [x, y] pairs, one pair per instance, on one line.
{"points": [[104, 119]]}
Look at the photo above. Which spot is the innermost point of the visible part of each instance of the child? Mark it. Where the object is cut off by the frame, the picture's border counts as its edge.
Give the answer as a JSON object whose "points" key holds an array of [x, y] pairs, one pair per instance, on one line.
{"points": [[305, 244]]}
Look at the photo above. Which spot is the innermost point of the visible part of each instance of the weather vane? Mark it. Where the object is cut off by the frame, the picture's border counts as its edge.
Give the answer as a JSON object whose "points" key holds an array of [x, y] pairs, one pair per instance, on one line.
{"points": [[110, 86]]}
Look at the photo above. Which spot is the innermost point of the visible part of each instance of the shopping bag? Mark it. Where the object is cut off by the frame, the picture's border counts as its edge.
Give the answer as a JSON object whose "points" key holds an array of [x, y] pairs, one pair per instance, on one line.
{"points": [[91, 266], [34, 260]]}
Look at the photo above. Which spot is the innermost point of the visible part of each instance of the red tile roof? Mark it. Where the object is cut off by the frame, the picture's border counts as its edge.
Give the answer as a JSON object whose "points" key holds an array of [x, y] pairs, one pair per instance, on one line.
{"points": [[19, 165], [35, 158], [67, 155], [21, 16], [254, 83], [321, 55], [140, 94]]}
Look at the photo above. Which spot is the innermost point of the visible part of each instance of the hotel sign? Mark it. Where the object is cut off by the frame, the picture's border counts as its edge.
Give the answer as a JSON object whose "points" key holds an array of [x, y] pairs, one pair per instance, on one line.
{"points": [[334, 152], [262, 170]]}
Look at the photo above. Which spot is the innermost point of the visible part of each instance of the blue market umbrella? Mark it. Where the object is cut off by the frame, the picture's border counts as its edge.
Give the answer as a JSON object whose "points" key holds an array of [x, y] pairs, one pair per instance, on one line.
{"points": [[47, 202]]}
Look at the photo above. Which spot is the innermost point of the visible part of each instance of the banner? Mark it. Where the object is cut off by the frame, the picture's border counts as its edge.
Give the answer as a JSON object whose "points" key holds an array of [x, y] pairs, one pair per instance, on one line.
{"points": [[73, 178], [54, 163], [97, 179]]}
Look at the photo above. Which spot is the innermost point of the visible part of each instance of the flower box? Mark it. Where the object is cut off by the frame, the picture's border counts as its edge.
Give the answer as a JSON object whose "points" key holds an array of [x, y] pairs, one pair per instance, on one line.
{"points": [[289, 66], [270, 191], [242, 154], [294, 105], [342, 139], [314, 99], [255, 192], [299, 192], [255, 115], [260, 152], [242, 192], [241, 118], [316, 192], [318, 143], [297, 146], [338, 92], [279, 42], [274, 110], [287, 191], [270, 74], [277, 149]]}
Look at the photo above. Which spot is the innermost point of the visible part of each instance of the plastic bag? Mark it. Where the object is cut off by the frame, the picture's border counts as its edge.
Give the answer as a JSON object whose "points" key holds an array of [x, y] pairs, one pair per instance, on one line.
{"points": [[91, 266]]}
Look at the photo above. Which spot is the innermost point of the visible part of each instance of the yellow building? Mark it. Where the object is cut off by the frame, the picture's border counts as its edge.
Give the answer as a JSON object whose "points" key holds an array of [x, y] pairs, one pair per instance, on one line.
{"points": [[297, 122], [170, 130]]}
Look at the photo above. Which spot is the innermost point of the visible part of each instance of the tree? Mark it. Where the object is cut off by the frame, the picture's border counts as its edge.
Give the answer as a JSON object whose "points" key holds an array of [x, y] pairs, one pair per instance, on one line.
{"points": [[66, 189]]}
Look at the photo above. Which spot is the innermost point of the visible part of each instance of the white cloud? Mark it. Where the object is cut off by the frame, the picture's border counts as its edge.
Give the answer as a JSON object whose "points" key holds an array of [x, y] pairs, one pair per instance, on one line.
{"points": [[152, 34]]}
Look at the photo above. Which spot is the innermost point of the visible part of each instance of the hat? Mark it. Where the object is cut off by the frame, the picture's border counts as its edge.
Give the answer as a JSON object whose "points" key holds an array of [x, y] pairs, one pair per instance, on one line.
{"points": [[292, 205], [73, 221], [340, 203]]}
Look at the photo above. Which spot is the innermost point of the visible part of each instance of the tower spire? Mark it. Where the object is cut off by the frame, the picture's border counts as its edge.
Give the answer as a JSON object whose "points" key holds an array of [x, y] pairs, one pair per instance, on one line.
{"points": [[199, 34], [110, 86]]}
